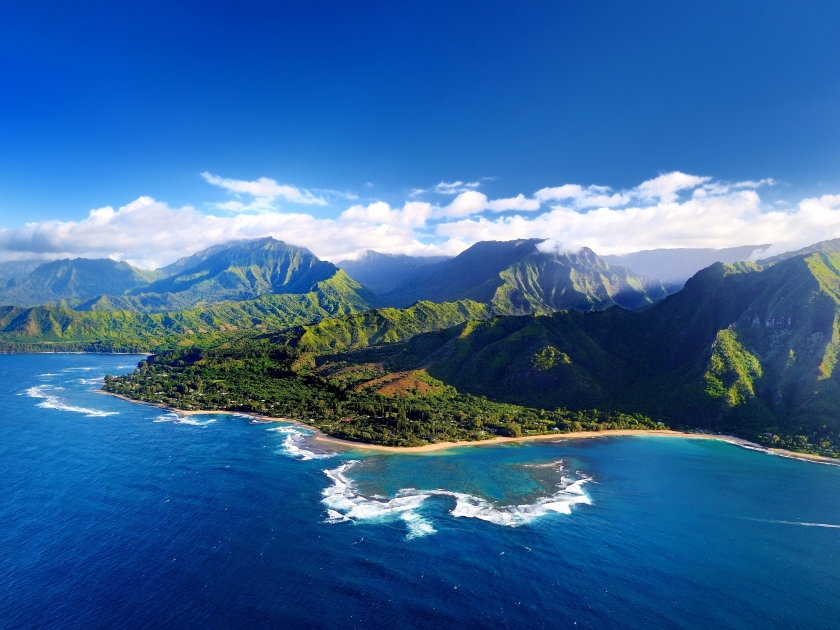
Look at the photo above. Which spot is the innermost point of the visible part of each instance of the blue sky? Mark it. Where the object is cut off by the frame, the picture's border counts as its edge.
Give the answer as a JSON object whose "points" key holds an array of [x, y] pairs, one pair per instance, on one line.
{"points": [[358, 103]]}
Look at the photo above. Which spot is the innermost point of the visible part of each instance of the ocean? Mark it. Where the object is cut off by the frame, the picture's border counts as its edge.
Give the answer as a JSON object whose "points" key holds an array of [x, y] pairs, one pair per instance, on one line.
{"points": [[118, 515]]}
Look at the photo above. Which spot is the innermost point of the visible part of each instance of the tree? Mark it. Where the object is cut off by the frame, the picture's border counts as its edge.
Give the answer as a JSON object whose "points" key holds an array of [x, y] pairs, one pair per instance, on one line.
{"points": [[402, 421]]}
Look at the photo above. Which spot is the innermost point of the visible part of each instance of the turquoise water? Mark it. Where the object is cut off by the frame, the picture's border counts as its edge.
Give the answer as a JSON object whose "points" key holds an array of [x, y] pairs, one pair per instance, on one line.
{"points": [[115, 515]]}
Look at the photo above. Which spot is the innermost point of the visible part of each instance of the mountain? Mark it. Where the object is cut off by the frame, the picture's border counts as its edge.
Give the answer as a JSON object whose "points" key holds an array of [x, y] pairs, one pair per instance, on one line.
{"points": [[45, 328], [739, 348], [516, 278], [238, 272], [255, 285], [187, 262], [828, 247], [675, 266], [384, 272], [18, 268], [742, 349], [382, 325], [79, 279]]}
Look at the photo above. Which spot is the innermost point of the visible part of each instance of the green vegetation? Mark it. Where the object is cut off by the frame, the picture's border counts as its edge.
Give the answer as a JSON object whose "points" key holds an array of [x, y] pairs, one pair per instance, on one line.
{"points": [[515, 278], [78, 279], [42, 327], [355, 402], [744, 350]]}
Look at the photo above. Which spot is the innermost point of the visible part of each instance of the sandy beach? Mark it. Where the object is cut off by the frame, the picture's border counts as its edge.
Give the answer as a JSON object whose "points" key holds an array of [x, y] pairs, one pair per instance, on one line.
{"points": [[320, 436]]}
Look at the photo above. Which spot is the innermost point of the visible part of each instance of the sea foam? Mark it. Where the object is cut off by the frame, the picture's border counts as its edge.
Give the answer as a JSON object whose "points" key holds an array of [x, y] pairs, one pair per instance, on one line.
{"points": [[295, 441], [344, 503], [51, 401], [177, 418]]}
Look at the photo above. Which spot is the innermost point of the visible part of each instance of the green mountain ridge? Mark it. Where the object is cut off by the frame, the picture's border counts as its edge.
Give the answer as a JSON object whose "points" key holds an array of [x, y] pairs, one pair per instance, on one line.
{"points": [[79, 278], [742, 349], [61, 328], [516, 278]]}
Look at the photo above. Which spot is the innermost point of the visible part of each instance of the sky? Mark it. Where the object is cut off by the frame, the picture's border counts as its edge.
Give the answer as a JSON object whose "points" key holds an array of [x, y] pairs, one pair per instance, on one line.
{"points": [[147, 131]]}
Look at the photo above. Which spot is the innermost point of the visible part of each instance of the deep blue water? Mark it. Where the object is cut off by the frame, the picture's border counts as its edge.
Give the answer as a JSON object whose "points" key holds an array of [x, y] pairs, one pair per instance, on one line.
{"points": [[139, 520]]}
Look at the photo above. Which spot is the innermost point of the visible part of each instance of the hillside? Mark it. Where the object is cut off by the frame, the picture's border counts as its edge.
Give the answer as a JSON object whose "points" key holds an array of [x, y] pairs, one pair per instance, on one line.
{"points": [[384, 272], [516, 278], [243, 271], [56, 327], [740, 348], [77, 279], [743, 349]]}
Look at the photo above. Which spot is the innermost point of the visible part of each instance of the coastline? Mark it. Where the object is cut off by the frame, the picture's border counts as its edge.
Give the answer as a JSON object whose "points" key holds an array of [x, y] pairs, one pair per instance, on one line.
{"points": [[320, 436]]}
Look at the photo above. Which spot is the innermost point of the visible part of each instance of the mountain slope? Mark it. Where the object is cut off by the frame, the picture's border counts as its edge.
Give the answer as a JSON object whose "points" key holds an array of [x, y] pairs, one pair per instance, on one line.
{"points": [[739, 348], [243, 271], [78, 279], [187, 262], [515, 278], [384, 272], [385, 325], [744, 349], [43, 327]]}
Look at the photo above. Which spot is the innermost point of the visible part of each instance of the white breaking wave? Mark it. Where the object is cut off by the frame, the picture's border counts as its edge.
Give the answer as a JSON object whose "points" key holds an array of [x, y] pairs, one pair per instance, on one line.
{"points": [[177, 418], [98, 380], [294, 441], [51, 401], [345, 504], [570, 493], [78, 369]]}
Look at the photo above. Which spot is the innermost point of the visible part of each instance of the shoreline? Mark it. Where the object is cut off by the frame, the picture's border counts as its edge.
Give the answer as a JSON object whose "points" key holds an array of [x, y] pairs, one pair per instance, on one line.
{"points": [[442, 446]]}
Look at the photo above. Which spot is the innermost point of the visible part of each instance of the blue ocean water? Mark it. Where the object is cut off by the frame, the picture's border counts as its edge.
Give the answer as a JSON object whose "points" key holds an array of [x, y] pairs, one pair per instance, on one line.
{"points": [[116, 515]]}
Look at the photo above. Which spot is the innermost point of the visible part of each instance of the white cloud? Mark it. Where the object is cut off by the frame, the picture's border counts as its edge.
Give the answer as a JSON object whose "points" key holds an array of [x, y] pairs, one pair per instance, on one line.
{"points": [[150, 233], [454, 188], [672, 210], [736, 218], [470, 202], [520, 202], [665, 187], [473, 202], [755, 184], [589, 197], [413, 213], [264, 191]]}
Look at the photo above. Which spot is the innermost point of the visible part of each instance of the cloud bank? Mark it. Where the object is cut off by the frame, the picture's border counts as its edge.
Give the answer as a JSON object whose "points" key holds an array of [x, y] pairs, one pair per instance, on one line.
{"points": [[672, 210]]}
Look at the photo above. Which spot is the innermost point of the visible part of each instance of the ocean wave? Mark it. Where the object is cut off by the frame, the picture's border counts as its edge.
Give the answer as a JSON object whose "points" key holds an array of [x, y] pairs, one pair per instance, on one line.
{"points": [[177, 418], [294, 442], [51, 401], [569, 493], [97, 380], [344, 504], [78, 369]]}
